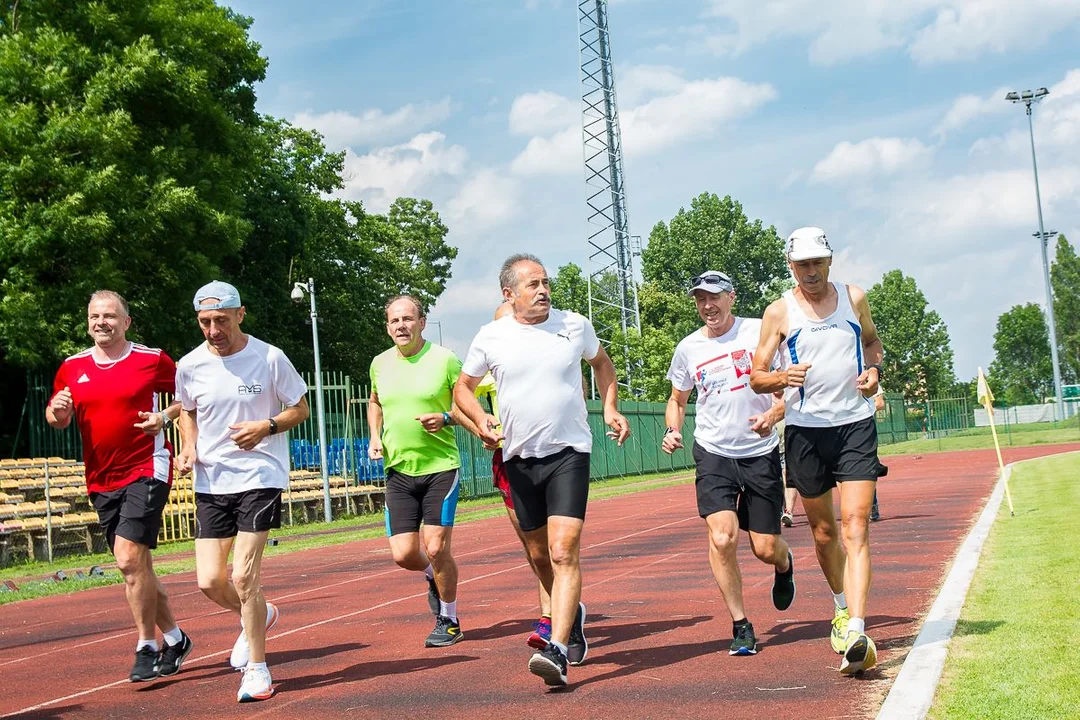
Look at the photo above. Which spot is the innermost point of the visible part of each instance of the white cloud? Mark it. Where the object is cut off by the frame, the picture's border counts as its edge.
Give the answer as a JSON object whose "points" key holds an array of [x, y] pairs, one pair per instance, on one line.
{"points": [[486, 199], [343, 129], [968, 108], [636, 83], [385, 174], [541, 112], [689, 109], [929, 30], [873, 156]]}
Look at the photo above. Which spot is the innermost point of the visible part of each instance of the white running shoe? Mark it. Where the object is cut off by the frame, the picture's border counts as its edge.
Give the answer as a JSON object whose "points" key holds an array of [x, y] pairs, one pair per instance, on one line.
{"points": [[241, 652], [256, 685]]}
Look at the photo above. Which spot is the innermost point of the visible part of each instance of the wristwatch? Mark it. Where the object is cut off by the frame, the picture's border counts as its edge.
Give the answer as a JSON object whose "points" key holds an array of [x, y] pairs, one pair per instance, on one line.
{"points": [[446, 419], [671, 430], [273, 426], [166, 421]]}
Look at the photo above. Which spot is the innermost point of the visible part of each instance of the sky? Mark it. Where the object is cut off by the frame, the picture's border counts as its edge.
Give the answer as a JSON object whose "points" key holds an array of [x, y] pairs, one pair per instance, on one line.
{"points": [[883, 122]]}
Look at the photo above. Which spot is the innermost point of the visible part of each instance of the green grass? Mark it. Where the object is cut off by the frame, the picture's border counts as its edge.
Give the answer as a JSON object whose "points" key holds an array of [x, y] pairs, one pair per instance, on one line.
{"points": [[1012, 655], [176, 557], [981, 438]]}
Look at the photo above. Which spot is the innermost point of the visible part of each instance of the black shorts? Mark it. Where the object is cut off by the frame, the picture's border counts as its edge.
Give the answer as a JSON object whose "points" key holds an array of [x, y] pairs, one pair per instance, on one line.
{"points": [[222, 516], [133, 512], [409, 497], [751, 487], [820, 457], [553, 485]]}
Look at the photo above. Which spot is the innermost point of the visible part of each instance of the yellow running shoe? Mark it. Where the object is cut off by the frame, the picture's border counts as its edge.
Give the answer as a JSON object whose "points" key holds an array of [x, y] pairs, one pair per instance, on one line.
{"points": [[860, 654], [838, 636]]}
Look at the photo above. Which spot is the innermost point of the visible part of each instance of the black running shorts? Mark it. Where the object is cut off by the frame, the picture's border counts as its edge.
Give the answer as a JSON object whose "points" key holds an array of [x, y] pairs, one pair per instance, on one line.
{"points": [[223, 516], [752, 488], [820, 457], [553, 485], [409, 498], [132, 512]]}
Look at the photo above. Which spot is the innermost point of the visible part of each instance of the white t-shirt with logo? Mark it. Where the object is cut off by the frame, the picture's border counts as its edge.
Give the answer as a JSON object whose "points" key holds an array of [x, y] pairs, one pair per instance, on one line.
{"points": [[720, 370], [252, 384], [537, 371]]}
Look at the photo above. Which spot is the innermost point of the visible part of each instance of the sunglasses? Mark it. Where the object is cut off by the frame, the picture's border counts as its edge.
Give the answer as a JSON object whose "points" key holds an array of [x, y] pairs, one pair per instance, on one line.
{"points": [[710, 279]]}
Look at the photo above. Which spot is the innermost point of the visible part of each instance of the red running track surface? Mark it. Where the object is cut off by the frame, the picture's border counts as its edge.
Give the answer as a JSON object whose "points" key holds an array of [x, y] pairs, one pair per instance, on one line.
{"points": [[350, 639]]}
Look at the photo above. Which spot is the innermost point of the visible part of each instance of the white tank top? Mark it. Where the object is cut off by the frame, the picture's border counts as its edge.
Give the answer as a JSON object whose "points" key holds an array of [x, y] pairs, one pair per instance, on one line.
{"points": [[833, 346]]}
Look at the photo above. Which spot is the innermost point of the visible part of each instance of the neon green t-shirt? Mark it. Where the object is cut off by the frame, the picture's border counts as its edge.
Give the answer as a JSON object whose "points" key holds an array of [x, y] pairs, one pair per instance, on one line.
{"points": [[407, 388]]}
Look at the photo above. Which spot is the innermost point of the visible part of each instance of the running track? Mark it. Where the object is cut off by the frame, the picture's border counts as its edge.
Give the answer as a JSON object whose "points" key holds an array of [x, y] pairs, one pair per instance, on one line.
{"points": [[350, 642]]}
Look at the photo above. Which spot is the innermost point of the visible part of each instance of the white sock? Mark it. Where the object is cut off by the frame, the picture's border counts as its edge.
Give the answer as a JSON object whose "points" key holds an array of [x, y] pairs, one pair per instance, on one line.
{"points": [[174, 636], [257, 666], [448, 609], [562, 648], [840, 600], [429, 572], [856, 625], [152, 644]]}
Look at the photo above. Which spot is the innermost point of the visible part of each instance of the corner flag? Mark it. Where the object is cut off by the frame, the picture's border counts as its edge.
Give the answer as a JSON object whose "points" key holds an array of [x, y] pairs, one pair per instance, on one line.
{"points": [[986, 399]]}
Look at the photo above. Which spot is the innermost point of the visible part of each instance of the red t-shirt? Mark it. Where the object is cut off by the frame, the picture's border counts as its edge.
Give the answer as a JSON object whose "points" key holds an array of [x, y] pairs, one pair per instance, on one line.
{"points": [[108, 398]]}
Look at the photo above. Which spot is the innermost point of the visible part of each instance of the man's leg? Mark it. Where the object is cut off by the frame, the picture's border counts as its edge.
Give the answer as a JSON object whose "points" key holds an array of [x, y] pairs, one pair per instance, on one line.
{"points": [[856, 497], [406, 551], [563, 552], [544, 592], [211, 570], [247, 585], [140, 586], [164, 618], [723, 559], [437, 546], [830, 555]]}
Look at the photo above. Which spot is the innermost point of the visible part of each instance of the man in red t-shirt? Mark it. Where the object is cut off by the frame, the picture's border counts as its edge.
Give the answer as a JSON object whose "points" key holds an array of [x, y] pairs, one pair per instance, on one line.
{"points": [[111, 390]]}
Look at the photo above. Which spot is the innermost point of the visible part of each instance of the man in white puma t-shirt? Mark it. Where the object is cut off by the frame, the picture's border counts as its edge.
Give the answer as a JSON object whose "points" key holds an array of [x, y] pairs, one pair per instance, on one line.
{"points": [[739, 483]]}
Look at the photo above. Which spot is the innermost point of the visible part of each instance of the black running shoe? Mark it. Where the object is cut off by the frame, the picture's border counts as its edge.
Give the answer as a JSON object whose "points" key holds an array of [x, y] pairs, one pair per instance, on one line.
{"points": [[744, 642], [146, 665], [446, 632], [577, 647], [875, 513], [550, 664], [173, 656], [433, 596], [783, 586]]}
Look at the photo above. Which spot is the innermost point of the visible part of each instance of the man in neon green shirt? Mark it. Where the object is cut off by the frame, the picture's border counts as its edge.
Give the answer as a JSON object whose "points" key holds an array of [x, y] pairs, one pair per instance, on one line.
{"points": [[410, 417]]}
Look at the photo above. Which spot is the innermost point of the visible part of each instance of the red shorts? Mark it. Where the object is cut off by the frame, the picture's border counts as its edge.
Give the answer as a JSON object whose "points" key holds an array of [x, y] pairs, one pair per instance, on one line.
{"points": [[500, 479]]}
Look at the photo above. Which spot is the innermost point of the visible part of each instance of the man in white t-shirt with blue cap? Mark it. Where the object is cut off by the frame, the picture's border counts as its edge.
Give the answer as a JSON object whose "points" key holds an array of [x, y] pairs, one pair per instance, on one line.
{"points": [[736, 453], [238, 395], [831, 358]]}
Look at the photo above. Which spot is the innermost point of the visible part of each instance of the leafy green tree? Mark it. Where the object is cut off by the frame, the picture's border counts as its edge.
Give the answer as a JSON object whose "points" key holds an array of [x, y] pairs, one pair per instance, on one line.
{"points": [[570, 290], [1022, 365], [128, 138], [918, 355], [1065, 282]]}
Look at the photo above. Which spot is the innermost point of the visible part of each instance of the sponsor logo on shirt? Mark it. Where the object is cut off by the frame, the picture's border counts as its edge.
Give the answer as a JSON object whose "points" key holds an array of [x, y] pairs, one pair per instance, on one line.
{"points": [[565, 335], [742, 360], [255, 389], [83, 379], [819, 328]]}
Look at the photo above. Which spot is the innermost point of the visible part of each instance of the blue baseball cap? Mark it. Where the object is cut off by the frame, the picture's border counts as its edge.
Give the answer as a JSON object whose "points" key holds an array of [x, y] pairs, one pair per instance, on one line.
{"points": [[226, 295]]}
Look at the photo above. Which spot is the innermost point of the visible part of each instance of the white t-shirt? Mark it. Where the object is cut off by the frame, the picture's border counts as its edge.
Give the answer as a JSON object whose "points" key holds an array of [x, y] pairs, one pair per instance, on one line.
{"points": [[252, 384], [720, 370], [537, 370]]}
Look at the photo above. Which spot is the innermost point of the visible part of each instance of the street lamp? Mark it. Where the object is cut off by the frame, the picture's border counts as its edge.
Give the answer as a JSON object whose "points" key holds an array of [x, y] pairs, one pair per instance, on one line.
{"points": [[1029, 98], [297, 296], [439, 323]]}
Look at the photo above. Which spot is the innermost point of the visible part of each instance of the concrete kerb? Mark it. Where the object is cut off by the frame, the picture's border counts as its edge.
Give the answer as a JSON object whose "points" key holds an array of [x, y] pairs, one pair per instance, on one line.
{"points": [[913, 692]]}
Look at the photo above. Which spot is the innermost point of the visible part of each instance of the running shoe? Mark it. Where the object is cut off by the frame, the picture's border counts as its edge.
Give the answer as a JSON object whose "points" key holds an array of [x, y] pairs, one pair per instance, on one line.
{"points": [[146, 665], [256, 685], [860, 654], [577, 647], [446, 632], [787, 519], [241, 652], [783, 585], [744, 642], [541, 634], [838, 636], [550, 664], [173, 656], [875, 513]]}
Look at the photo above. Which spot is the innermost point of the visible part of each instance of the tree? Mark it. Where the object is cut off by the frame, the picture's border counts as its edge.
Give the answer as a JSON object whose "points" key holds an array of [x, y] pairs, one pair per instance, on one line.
{"points": [[918, 355], [1021, 363], [128, 134], [570, 290], [1065, 282]]}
